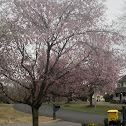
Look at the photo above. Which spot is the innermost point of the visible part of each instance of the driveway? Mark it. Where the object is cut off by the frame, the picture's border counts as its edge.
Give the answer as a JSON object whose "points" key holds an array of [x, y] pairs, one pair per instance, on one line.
{"points": [[66, 115]]}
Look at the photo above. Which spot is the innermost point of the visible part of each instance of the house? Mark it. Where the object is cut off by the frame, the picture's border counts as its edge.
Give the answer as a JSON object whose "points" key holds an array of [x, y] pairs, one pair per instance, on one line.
{"points": [[120, 91], [99, 98]]}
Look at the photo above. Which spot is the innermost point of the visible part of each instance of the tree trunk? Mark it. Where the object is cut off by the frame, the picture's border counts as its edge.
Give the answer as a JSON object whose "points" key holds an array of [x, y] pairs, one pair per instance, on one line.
{"points": [[68, 100], [90, 100], [54, 98], [35, 117]]}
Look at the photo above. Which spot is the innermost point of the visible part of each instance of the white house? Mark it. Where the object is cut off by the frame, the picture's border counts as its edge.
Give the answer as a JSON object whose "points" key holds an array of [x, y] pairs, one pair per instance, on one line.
{"points": [[99, 98], [120, 91]]}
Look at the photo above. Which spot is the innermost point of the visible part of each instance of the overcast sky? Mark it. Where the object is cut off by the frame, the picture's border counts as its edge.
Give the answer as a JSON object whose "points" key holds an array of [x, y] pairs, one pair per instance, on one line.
{"points": [[115, 8]]}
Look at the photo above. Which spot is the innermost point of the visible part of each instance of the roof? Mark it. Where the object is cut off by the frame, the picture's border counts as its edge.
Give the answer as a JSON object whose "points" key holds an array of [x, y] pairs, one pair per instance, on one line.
{"points": [[123, 79], [120, 89]]}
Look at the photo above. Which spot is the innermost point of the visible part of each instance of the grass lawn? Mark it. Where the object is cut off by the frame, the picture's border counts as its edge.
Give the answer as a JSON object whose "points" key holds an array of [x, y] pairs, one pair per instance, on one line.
{"points": [[101, 107], [10, 116]]}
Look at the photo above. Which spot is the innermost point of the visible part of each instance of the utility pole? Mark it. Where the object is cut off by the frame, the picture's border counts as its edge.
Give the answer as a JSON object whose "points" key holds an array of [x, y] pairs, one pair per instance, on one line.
{"points": [[95, 99]]}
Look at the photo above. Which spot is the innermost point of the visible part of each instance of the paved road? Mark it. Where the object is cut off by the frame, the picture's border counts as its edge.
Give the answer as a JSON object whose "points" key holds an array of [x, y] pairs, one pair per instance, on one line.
{"points": [[66, 115], [60, 123]]}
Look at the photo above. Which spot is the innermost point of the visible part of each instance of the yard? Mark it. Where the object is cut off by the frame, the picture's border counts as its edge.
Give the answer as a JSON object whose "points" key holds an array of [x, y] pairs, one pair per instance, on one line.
{"points": [[101, 107], [10, 116]]}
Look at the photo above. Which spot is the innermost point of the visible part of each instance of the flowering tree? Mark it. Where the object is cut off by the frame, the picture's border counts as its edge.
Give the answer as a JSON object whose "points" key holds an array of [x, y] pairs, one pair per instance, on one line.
{"points": [[42, 47], [101, 71]]}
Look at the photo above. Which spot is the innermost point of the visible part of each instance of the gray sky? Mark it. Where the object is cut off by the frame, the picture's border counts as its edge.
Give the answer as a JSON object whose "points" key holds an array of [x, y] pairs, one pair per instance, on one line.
{"points": [[115, 8]]}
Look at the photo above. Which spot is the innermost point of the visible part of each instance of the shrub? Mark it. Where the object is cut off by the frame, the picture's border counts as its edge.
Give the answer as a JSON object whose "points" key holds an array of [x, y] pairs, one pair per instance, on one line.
{"points": [[108, 97], [106, 121], [84, 124], [118, 123], [91, 124]]}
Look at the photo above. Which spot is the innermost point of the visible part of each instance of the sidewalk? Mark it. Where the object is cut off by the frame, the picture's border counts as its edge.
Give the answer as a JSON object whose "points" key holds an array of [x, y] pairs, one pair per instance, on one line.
{"points": [[59, 123]]}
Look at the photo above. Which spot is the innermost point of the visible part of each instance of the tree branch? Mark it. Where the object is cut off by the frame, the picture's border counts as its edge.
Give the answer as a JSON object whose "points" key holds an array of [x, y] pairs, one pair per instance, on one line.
{"points": [[8, 96]]}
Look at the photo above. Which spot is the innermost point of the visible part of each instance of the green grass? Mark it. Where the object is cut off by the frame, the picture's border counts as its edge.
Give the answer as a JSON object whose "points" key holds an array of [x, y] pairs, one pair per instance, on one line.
{"points": [[101, 107], [8, 115]]}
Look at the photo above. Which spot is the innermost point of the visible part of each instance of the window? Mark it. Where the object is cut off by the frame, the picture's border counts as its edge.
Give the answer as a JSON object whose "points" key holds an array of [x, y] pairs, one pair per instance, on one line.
{"points": [[116, 94], [119, 85], [124, 93], [124, 84]]}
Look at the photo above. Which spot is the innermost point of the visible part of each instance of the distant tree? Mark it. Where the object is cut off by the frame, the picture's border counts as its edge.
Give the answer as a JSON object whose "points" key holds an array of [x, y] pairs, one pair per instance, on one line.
{"points": [[108, 97], [101, 71]]}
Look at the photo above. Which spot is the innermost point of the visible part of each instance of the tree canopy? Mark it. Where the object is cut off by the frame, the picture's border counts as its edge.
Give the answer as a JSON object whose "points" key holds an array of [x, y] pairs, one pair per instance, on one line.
{"points": [[53, 46]]}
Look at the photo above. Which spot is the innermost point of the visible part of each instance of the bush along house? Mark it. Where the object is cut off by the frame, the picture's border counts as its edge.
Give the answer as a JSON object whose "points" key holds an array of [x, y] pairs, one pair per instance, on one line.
{"points": [[120, 91]]}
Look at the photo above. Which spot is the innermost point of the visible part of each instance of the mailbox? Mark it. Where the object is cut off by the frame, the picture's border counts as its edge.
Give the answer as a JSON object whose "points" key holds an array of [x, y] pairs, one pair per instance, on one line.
{"points": [[112, 115], [55, 108]]}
